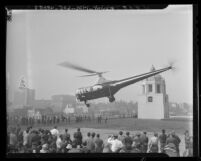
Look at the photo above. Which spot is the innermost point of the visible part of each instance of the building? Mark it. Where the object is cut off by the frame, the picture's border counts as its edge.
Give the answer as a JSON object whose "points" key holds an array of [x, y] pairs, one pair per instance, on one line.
{"points": [[81, 108], [153, 102], [59, 102], [24, 97], [42, 103]]}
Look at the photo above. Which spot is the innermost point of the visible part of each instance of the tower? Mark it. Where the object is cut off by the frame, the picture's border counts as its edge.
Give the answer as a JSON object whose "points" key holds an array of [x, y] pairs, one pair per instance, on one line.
{"points": [[24, 97], [153, 101]]}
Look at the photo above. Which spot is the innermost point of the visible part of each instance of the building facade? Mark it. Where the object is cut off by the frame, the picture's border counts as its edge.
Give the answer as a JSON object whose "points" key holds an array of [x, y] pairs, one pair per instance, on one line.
{"points": [[24, 97], [153, 102], [59, 102]]}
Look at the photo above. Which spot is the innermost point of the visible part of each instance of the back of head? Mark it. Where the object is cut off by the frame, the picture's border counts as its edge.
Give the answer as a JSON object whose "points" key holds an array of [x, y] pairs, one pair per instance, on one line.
{"points": [[120, 133], [173, 133], [138, 134], [66, 130], [127, 133], [55, 127], [27, 130], [88, 134], [78, 129], [98, 135], [170, 135], [68, 136], [93, 134], [84, 143], [115, 136], [163, 131]]}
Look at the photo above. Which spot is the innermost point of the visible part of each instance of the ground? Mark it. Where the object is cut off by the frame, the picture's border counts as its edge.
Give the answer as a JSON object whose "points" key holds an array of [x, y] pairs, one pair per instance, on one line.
{"points": [[132, 125]]}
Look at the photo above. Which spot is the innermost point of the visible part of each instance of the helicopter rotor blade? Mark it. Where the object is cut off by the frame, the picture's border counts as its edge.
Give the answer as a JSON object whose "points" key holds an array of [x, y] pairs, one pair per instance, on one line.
{"points": [[88, 75], [98, 73], [76, 67]]}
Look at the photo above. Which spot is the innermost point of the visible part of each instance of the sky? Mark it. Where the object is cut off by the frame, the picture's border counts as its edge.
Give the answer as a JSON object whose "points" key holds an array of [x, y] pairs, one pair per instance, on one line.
{"points": [[123, 42]]}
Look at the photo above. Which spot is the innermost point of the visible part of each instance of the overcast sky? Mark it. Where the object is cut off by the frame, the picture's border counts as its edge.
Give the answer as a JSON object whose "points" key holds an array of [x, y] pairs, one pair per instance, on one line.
{"points": [[125, 42]]}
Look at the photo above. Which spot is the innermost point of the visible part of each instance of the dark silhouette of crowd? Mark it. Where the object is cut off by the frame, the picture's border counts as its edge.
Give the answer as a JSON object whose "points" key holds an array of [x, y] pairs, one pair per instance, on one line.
{"points": [[52, 141], [54, 119]]}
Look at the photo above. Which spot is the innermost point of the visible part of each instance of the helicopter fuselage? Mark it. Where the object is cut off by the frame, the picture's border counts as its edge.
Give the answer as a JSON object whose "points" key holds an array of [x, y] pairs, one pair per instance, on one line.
{"points": [[96, 91], [108, 89]]}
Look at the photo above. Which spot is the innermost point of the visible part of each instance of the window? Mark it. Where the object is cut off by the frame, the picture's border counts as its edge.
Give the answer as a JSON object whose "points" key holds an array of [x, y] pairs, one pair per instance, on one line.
{"points": [[158, 88], [150, 99], [150, 87], [97, 87], [143, 89]]}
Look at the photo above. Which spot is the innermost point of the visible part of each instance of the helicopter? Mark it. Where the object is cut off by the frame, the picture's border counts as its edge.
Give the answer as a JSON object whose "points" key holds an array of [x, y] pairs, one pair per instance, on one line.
{"points": [[104, 87]]}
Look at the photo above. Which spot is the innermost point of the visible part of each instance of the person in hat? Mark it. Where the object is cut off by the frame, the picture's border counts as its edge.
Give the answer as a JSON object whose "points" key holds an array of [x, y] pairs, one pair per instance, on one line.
{"points": [[116, 145], [144, 142], [65, 134], [178, 140], [55, 131], [90, 145], [121, 136], [59, 143], [127, 141], [78, 137], [153, 144], [98, 144], [26, 134], [136, 142], [162, 140]]}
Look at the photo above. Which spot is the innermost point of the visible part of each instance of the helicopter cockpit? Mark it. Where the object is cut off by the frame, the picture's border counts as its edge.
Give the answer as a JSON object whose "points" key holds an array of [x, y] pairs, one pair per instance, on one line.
{"points": [[88, 89]]}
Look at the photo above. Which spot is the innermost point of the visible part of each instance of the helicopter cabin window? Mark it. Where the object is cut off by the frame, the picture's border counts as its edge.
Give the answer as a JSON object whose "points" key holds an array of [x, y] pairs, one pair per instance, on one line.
{"points": [[97, 87], [150, 87], [150, 99], [88, 89]]}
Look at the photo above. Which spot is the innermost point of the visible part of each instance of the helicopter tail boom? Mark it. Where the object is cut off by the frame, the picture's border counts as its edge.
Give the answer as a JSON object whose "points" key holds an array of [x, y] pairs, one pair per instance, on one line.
{"points": [[128, 81]]}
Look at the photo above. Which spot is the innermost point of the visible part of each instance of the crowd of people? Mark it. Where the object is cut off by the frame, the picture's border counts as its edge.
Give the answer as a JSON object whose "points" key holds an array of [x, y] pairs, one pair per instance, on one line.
{"points": [[53, 141], [53, 119]]}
